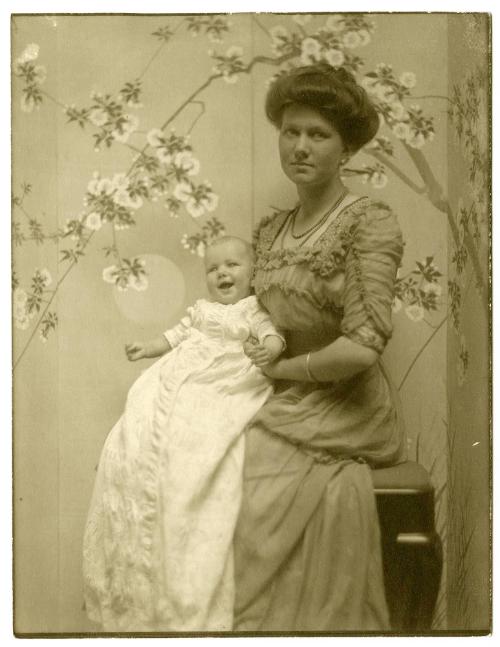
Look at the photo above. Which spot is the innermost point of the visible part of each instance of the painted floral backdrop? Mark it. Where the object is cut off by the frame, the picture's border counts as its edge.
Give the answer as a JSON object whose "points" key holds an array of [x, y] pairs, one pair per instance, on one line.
{"points": [[139, 139], [469, 441]]}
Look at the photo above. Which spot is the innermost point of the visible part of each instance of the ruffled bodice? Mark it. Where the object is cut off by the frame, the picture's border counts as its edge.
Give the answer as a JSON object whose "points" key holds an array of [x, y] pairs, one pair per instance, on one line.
{"points": [[343, 284]]}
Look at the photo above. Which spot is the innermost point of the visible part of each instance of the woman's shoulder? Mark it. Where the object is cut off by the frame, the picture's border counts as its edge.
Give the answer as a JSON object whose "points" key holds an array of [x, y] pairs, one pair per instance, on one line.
{"points": [[267, 228], [372, 217]]}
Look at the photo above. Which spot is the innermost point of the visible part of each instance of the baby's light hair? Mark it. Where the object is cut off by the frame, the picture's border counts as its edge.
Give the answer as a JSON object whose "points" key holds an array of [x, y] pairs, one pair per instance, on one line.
{"points": [[233, 239]]}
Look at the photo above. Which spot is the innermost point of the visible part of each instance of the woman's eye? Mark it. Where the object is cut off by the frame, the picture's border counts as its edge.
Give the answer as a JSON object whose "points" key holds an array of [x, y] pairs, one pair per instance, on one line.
{"points": [[319, 135]]}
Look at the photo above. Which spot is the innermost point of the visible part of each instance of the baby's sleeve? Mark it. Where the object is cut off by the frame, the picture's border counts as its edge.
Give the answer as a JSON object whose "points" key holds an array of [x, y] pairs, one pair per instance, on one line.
{"points": [[261, 325], [181, 331], [372, 261]]}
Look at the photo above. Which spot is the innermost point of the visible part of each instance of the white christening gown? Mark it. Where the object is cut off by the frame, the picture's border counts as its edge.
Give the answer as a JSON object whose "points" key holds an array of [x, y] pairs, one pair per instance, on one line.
{"points": [[158, 539]]}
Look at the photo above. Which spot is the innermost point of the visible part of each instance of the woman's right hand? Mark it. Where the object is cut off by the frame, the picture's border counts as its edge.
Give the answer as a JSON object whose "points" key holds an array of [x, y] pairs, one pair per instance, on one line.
{"points": [[136, 350]]}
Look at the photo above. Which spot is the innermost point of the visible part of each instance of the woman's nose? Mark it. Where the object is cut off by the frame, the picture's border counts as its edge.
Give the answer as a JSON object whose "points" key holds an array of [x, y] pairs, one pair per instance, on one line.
{"points": [[301, 146]]}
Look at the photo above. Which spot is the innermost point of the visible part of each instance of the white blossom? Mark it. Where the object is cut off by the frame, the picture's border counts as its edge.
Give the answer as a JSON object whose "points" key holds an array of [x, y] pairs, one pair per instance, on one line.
{"points": [[195, 209], [378, 180], [417, 141], [109, 274], [408, 80], [351, 39], [98, 117], [40, 74], [183, 191], [123, 285], [385, 93], [120, 181], [20, 296], [155, 137], [121, 198], [311, 51], [139, 283], [187, 162], [415, 312], [210, 201], [30, 53], [402, 130], [46, 276], [135, 202], [163, 156], [200, 249], [335, 57], [104, 185], [93, 185], [364, 36], [19, 311], [93, 221], [432, 288], [398, 111], [23, 323], [129, 126]]}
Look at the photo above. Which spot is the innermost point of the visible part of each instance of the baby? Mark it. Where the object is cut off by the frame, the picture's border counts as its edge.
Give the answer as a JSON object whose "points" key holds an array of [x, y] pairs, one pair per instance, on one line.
{"points": [[158, 540]]}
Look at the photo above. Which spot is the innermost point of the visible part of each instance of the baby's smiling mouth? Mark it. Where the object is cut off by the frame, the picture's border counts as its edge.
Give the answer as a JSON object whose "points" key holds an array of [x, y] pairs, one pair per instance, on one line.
{"points": [[225, 285]]}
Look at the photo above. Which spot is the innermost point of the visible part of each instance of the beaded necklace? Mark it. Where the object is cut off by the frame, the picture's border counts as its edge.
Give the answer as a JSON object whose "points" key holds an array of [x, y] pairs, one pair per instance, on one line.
{"points": [[320, 222], [290, 221]]}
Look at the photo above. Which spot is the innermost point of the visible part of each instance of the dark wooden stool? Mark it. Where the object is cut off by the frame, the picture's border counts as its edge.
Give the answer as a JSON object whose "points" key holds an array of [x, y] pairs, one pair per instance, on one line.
{"points": [[411, 547]]}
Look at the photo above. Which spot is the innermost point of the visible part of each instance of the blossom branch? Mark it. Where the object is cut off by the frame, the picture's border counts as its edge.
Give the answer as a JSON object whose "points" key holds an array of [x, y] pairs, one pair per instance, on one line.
{"points": [[438, 199], [395, 169], [49, 302], [198, 116], [261, 26], [421, 350]]}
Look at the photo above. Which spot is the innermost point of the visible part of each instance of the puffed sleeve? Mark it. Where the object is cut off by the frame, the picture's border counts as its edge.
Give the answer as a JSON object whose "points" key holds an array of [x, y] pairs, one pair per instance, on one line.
{"points": [[372, 259], [181, 331]]}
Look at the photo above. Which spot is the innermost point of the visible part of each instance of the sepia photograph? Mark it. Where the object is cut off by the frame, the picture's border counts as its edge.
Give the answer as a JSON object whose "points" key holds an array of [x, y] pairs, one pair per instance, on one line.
{"points": [[251, 324]]}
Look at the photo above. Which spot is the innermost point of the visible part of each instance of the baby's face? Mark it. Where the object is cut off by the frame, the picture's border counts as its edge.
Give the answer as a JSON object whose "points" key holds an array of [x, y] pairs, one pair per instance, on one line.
{"points": [[229, 272]]}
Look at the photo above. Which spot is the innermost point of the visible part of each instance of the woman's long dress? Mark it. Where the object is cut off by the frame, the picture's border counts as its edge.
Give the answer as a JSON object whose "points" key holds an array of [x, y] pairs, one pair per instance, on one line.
{"points": [[307, 546], [158, 540]]}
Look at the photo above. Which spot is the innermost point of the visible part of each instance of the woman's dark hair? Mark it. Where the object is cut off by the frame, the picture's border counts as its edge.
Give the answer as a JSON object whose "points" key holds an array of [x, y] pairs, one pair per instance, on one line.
{"points": [[334, 93]]}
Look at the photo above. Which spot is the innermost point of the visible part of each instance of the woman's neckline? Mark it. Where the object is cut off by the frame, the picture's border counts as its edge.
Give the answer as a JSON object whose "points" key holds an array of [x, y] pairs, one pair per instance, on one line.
{"points": [[331, 222]]}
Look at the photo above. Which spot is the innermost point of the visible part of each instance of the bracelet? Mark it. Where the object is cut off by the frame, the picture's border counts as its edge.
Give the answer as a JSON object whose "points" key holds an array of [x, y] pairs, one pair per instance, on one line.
{"points": [[310, 376]]}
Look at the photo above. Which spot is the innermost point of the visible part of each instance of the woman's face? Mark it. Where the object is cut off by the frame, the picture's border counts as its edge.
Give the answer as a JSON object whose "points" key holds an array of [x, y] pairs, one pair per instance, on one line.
{"points": [[310, 147]]}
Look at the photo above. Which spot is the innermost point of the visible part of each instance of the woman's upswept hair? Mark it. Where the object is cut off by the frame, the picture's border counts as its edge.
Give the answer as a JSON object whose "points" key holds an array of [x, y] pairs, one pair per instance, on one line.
{"points": [[334, 93]]}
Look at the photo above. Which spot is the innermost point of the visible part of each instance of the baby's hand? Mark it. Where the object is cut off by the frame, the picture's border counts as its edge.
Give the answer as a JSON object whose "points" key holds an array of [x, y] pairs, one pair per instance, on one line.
{"points": [[263, 354], [134, 351]]}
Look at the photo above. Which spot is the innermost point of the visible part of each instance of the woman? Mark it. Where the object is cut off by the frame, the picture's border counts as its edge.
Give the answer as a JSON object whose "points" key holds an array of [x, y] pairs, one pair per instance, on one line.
{"points": [[307, 545]]}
